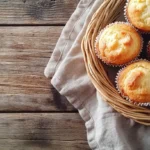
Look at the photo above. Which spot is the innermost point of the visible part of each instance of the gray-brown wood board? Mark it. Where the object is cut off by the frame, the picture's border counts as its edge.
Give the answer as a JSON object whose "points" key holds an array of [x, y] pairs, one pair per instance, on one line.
{"points": [[36, 11], [42, 131], [33, 115], [24, 53]]}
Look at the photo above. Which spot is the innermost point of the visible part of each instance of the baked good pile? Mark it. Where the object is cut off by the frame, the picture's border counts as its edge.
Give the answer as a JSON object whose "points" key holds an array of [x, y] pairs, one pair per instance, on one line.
{"points": [[121, 43]]}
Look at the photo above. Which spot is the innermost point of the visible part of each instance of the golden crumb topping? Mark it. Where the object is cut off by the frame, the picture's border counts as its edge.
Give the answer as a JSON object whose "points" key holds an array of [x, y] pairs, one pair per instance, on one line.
{"points": [[138, 12], [134, 81], [119, 43]]}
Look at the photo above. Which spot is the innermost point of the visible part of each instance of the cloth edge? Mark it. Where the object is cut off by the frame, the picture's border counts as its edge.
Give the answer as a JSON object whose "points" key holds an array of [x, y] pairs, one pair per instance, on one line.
{"points": [[84, 113]]}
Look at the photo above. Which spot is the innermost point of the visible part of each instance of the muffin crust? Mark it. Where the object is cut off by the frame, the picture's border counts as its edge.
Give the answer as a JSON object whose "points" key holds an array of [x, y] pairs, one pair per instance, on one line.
{"points": [[119, 43], [138, 13], [133, 81]]}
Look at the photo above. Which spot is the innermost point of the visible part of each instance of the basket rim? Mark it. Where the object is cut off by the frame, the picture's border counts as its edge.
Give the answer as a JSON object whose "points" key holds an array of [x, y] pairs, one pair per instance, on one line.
{"points": [[107, 13]]}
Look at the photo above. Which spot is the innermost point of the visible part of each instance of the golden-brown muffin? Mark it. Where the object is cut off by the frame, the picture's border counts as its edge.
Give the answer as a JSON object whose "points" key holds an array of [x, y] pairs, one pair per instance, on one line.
{"points": [[118, 44], [138, 13], [134, 81]]}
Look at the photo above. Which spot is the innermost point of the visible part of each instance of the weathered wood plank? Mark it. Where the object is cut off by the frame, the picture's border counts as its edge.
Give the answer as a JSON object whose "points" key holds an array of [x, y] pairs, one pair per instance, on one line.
{"points": [[24, 53], [42, 131], [36, 11], [43, 145]]}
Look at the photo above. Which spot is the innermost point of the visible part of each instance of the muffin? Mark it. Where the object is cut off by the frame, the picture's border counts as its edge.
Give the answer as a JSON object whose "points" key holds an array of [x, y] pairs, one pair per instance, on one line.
{"points": [[148, 51], [118, 44], [138, 13], [133, 82]]}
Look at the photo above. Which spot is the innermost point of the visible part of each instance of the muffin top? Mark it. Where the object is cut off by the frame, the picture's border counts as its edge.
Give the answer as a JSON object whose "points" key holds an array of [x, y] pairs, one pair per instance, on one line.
{"points": [[138, 13], [118, 44], [133, 81]]}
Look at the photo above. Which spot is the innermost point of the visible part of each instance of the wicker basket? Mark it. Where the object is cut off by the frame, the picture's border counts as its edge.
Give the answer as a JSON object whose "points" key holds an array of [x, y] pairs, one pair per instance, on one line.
{"points": [[107, 13]]}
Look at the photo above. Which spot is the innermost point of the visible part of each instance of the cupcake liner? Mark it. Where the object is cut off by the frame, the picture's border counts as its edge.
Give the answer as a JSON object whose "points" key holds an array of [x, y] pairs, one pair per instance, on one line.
{"points": [[148, 50], [125, 11], [124, 96], [97, 38], [126, 18]]}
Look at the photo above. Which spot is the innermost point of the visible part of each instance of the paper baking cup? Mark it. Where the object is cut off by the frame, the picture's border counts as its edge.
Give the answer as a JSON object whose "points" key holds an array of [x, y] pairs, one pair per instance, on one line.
{"points": [[97, 39], [124, 96], [127, 19]]}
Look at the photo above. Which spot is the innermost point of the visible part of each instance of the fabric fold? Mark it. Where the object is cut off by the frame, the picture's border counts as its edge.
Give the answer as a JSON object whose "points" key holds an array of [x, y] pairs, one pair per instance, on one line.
{"points": [[106, 128], [67, 37]]}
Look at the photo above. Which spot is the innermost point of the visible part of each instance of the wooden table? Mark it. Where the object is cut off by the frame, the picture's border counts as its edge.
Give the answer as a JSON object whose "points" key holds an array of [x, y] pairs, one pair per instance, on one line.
{"points": [[33, 116]]}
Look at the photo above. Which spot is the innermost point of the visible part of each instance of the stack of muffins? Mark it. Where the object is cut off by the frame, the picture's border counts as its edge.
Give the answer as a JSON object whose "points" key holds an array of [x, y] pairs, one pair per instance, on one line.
{"points": [[120, 44]]}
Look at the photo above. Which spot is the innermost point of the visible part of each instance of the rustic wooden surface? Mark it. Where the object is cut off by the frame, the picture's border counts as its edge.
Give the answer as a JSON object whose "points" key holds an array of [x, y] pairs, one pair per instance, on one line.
{"points": [[33, 115], [42, 131], [24, 53], [36, 11]]}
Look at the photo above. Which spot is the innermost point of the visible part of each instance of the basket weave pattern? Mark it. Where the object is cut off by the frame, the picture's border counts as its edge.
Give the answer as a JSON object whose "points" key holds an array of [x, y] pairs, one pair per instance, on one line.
{"points": [[107, 13]]}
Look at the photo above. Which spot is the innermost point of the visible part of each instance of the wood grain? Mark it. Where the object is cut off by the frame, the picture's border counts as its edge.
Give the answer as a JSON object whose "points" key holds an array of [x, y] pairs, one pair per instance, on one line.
{"points": [[36, 11], [24, 53], [31, 110], [42, 131]]}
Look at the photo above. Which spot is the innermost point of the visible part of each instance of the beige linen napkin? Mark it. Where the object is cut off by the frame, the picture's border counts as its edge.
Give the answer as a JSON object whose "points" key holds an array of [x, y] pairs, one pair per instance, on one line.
{"points": [[106, 129]]}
